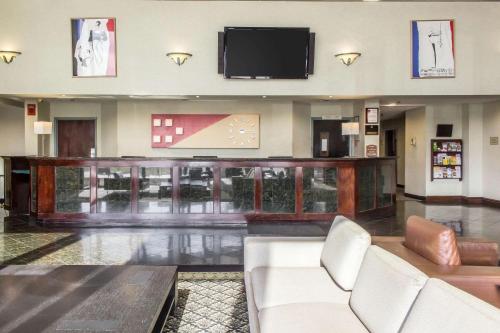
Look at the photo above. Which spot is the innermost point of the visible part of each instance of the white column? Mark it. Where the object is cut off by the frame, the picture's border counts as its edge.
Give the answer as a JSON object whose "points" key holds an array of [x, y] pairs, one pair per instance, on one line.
{"points": [[30, 138], [370, 139]]}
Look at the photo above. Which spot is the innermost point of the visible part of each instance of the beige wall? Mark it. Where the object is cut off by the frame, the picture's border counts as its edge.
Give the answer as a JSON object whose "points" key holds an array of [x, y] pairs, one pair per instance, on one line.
{"points": [[134, 127], [109, 133], [146, 30], [415, 157], [301, 130], [442, 114], [491, 153], [11, 135], [11, 130]]}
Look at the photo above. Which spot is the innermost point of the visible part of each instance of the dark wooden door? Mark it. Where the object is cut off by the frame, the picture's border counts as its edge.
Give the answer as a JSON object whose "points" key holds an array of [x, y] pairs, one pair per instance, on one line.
{"points": [[75, 138], [338, 145], [390, 143]]}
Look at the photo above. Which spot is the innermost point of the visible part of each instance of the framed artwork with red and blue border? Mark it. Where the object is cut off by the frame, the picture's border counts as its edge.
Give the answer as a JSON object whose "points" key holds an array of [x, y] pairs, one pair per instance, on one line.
{"points": [[433, 49]]}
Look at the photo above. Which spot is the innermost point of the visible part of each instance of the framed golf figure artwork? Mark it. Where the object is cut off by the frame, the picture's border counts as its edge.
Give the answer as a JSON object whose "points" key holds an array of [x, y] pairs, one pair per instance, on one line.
{"points": [[433, 49], [93, 47]]}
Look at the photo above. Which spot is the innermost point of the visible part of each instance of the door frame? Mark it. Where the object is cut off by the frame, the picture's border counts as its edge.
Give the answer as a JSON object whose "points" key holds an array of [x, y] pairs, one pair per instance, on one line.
{"points": [[56, 127]]}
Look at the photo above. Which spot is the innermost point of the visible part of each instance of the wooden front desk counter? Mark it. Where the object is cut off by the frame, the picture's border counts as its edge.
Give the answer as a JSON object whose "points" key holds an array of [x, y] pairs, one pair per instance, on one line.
{"points": [[166, 191]]}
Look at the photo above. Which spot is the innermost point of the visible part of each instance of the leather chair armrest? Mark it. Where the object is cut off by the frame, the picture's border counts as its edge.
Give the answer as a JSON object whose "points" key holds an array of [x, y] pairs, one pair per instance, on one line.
{"points": [[282, 252], [478, 252], [384, 239], [480, 281]]}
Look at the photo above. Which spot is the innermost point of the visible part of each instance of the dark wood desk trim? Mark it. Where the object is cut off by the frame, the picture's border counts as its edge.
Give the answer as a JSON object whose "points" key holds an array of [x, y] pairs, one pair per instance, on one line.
{"points": [[347, 189]]}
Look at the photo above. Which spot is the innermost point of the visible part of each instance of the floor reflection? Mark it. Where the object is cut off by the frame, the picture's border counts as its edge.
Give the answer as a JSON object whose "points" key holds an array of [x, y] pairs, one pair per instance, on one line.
{"points": [[23, 242]]}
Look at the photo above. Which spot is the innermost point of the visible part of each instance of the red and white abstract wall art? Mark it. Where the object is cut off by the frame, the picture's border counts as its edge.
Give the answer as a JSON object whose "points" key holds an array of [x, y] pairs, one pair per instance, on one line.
{"points": [[205, 131]]}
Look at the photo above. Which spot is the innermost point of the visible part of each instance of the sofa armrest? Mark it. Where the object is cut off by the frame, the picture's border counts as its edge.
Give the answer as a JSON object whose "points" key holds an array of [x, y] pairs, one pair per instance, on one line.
{"points": [[480, 281], [478, 251], [282, 252]]}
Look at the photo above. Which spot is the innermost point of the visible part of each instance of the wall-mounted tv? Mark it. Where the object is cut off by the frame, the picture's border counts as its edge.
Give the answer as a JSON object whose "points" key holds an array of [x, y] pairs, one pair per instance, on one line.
{"points": [[266, 53], [444, 130]]}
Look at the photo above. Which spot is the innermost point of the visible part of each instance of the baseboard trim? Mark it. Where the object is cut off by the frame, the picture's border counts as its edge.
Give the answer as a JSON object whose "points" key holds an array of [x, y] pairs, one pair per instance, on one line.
{"points": [[415, 196], [446, 199], [491, 202], [456, 200]]}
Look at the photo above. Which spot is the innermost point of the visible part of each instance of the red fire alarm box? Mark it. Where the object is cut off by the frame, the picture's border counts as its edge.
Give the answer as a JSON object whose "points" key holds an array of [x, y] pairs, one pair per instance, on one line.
{"points": [[31, 109]]}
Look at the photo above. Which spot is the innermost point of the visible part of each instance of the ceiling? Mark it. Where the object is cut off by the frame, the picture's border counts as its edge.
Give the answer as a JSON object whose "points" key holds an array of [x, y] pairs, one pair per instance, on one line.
{"points": [[347, 0]]}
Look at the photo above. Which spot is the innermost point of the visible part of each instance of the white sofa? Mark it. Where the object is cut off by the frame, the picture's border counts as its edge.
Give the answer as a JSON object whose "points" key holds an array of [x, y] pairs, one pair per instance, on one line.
{"points": [[341, 283]]}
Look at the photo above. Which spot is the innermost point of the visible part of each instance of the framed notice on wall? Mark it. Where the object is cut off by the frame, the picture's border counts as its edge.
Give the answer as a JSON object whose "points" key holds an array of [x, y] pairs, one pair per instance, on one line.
{"points": [[371, 115]]}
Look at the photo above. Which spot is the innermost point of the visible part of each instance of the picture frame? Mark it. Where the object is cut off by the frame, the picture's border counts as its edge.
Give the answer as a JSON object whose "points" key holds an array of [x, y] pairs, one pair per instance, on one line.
{"points": [[432, 49], [372, 115], [93, 46], [371, 130]]}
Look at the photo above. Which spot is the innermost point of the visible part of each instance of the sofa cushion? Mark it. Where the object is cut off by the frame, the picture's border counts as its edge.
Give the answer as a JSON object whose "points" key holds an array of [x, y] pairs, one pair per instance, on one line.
{"points": [[385, 290], [442, 308], [277, 286], [344, 249], [431, 240], [310, 317]]}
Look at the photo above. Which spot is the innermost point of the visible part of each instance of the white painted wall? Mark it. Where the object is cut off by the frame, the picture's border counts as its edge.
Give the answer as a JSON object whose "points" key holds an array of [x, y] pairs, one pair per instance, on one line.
{"points": [[369, 139], [442, 114], [491, 153], [472, 136], [109, 132], [335, 109], [146, 30], [11, 131], [276, 127], [11, 136], [415, 157], [301, 130]]}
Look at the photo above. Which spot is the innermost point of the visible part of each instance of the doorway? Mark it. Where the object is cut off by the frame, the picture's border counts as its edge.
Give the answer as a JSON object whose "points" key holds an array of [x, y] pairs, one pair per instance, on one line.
{"points": [[328, 140], [390, 143], [75, 137]]}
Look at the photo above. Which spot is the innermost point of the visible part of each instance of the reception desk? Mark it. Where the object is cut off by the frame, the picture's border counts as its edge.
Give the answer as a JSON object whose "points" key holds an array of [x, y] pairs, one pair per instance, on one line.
{"points": [[141, 191]]}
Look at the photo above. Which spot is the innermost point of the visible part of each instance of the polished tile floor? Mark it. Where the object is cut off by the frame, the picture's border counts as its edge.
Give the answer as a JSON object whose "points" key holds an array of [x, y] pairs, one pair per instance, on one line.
{"points": [[193, 248]]}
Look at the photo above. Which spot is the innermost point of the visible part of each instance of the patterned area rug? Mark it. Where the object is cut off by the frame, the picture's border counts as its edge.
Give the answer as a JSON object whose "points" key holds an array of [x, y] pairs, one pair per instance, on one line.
{"points": [[210, 302]]}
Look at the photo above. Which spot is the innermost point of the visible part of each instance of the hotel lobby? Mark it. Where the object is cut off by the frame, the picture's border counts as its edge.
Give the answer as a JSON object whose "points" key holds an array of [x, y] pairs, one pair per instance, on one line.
{"points": [[249, 166]]}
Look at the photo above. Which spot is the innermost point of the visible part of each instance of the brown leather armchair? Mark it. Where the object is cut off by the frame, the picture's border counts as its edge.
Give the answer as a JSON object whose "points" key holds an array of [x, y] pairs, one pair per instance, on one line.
{"points": [[468, 263]]}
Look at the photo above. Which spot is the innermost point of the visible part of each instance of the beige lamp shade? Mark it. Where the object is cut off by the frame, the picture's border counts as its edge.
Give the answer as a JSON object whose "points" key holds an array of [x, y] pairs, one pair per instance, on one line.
{"points": [[43, 127], [351, 128]]}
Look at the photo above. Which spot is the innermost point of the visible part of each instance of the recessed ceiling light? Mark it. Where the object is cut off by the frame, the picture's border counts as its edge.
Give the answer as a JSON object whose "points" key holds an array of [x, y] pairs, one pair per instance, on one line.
{"points": [[197, 96], [264, 96], [330, 96]]}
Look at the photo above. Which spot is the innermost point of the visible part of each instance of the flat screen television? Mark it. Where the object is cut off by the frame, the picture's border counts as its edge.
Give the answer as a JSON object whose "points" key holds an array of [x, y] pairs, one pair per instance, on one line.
{"points": [[266, 53], [444, 130]]}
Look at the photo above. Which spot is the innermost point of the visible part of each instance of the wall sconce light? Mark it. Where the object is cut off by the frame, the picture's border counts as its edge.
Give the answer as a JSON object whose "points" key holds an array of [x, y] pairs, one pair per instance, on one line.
{"points": [[348, 58], [350, 129], [43, 128], [9, 56], [179, 57]]}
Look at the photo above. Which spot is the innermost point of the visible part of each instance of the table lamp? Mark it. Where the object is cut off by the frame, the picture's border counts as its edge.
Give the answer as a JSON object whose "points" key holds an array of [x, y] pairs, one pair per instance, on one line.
{"points": [[350, 129], [43, 128]]}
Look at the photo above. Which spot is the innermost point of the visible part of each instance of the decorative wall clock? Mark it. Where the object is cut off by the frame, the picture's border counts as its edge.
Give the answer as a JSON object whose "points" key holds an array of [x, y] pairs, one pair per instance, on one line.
{"points": [[241, 131]]}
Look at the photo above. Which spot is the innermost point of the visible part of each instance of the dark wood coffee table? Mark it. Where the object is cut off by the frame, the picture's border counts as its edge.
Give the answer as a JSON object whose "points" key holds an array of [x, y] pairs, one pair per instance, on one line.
{"points": [[86, 298]]}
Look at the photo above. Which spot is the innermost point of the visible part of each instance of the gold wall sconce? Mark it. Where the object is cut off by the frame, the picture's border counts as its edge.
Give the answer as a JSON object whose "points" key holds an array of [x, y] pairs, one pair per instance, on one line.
{"points": [[9, 56], [179, 57], [348, 58]]}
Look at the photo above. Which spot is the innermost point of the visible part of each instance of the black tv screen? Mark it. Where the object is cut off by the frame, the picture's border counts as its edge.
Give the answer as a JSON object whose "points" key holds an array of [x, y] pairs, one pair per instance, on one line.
{"points": [[444, 130], [266, 53]]}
